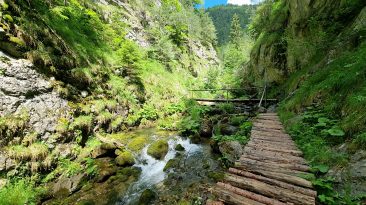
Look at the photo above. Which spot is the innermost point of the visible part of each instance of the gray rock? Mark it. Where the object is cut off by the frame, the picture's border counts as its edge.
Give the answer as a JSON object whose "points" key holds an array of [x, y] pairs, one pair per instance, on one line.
{"points": [[227, 129], [23, 88], [64, 186], [232, 149]]}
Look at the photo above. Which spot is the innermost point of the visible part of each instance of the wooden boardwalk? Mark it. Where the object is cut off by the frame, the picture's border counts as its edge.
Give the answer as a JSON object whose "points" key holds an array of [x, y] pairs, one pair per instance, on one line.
{"points": [[268, 171]]}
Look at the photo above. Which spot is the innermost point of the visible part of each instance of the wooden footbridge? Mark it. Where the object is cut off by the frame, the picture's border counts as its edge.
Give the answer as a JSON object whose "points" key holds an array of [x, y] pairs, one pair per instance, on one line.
{"points": [[268, 173], [250, 101]]}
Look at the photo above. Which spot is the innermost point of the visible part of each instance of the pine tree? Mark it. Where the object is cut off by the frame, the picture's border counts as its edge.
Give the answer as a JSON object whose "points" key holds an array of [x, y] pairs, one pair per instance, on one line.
{"points": [[235, 30]]}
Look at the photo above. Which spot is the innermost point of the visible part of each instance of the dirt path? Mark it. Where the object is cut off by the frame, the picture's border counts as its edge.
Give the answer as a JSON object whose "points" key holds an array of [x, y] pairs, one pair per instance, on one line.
{"points": [[268, 171]]}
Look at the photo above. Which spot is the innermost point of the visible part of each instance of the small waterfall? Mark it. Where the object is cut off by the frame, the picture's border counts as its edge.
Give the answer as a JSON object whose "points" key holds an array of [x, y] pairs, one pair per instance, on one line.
{"points": [[152, 169]]}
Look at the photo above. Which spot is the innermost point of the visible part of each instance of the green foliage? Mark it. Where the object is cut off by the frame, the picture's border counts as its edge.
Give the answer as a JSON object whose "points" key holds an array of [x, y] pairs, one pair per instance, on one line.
{"points": [[235, 31], [35, 152], [20, 192], [12, 126], [226, 107], [221, 15], [70, 168], [224, 138], [193, 116], [82, 122]]}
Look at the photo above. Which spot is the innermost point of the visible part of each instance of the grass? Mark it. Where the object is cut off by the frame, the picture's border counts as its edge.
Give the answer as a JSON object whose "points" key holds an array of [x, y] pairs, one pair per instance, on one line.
{"points": [[19, 193], [82, 122], [340, 87], [35, 152]]}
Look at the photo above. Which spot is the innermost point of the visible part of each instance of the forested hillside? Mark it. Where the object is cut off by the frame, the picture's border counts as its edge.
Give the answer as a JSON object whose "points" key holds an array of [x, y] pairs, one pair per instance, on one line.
{"points": [[78, 73], [222, 16]]}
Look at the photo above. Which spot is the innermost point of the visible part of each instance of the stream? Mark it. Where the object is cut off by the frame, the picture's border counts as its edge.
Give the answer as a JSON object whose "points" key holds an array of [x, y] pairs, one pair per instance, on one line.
{"points": [[191, 168]]}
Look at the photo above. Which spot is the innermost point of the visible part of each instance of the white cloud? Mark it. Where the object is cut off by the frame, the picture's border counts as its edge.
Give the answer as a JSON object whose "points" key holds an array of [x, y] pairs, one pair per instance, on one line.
{"points": [[239, 2]]}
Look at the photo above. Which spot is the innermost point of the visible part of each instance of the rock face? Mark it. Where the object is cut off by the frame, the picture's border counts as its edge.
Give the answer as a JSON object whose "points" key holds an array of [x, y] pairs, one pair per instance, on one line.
{"points": [[293, 21], [354, 174], [23, 88]]}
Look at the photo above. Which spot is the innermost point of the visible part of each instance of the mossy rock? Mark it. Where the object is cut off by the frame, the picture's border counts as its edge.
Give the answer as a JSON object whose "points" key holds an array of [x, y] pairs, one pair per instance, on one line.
{"points": [[158, 149], [171, 164], [137, 144], [216, 176], [125, 159], [179, 147], [147, 197]]}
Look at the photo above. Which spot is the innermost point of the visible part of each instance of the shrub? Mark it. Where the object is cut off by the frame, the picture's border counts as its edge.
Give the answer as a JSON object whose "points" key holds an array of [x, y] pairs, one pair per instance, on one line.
{"points": [[19, 193]]}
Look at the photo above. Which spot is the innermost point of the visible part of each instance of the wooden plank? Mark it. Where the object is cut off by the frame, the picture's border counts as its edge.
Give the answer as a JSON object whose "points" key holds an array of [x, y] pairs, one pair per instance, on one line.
{"points": [[250, 195], [261, 157], [232, 198], [268, 149], [298, 167], [250, 167], [269, 190], [233, 100], [288, 178], [275, 182]]}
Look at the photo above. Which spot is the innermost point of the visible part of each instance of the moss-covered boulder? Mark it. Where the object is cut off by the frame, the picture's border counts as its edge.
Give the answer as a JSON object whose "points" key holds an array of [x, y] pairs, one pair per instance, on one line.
{"points": [[158, 149], [179, 148], [147, 197], [125, 158], [171, 164]]}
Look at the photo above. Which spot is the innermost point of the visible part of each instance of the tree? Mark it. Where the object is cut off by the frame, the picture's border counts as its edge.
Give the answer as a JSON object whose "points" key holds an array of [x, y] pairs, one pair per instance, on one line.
{"points": [[235, 31]]}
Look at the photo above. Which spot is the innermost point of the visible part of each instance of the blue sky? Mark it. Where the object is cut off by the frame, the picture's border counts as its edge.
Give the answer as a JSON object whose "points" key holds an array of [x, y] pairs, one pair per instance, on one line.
{"points": [[211, 3]]}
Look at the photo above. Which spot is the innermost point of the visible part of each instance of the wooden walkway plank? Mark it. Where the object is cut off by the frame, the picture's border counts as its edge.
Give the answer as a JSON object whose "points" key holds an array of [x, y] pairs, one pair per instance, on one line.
{"points": [[268, 171]]}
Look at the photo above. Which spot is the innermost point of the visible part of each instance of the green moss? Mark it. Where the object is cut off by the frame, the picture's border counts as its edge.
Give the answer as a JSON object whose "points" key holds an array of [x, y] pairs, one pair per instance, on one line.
{"points": [[62, 126], [82, 122], [147, 197], [125, 158], [171, 164], [179, 147], [137, 144], [158, 149], [216, 176], [17, 40], [104, 117], [35, 152], [8, 18], [117, 123]]}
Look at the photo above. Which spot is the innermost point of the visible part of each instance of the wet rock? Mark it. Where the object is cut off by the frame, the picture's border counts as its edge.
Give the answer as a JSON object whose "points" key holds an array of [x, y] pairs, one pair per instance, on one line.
{"points": [[227, 129], [158, 149], [179, 148], [64, 186], [232, 149], [206, 129], [6, 163], [171, 164], [65, 150], [125, 158], [105, 168], [147, 197], [98, 151]]}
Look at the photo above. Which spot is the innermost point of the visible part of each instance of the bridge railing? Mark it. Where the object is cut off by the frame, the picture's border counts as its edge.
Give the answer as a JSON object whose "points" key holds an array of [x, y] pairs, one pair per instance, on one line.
{"points": [[251, 98]]}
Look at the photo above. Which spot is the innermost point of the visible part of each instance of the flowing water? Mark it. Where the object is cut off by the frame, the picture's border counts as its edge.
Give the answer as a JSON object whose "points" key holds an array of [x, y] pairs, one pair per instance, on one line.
{"points": [[194, 163]]}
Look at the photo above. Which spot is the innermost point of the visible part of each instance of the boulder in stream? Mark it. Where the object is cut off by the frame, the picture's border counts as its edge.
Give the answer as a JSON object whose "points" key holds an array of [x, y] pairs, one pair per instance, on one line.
{"points": [[158, 149], [125, 158]]}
